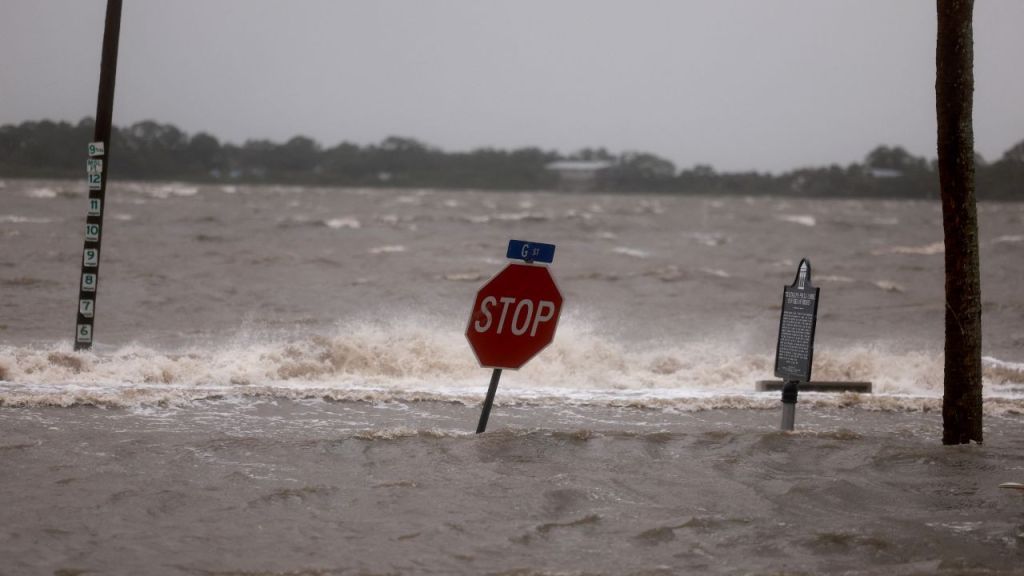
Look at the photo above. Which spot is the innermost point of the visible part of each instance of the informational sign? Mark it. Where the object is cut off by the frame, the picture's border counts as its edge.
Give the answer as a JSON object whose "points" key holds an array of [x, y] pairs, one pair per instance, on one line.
{"points": [[794, 353], [530, 251], [96, 149], [514, 316]]}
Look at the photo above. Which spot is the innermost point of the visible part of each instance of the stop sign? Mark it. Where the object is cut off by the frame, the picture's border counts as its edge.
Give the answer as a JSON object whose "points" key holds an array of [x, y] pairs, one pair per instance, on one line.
{"points": [[514, 316]]}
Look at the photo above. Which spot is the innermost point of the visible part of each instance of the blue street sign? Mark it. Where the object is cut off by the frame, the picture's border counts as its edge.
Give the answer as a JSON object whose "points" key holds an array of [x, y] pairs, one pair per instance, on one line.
{"points": [[530, 251]]}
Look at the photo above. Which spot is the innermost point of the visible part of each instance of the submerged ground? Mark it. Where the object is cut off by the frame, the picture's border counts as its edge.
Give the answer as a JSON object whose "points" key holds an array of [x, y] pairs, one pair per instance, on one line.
{"points": [[315, 487]]}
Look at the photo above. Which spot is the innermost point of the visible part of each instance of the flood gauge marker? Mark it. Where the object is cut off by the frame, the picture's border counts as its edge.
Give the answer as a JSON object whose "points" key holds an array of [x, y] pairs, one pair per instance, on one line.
{"points": [[96, 178]]}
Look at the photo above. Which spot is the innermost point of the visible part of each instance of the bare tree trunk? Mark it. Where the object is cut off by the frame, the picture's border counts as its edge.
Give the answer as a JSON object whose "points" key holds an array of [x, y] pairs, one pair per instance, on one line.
{"points": [[954, 101]]}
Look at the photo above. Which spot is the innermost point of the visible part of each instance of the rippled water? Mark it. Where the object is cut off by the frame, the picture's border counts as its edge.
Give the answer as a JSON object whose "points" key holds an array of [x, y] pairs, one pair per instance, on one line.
{"points": [[285, 388]]}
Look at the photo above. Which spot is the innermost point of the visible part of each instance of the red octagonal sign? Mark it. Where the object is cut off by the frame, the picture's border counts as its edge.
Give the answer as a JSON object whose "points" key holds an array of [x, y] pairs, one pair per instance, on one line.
{"points": [[514, 316]]}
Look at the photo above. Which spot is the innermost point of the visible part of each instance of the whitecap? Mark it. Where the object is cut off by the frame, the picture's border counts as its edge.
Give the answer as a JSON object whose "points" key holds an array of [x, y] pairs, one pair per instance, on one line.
{"points": [[463, 276], [1009, 239], [717, 272], [833, 278], [391, 249], [801, 219], [346, 222], [521, 216], [889, 286], [632, 252], [16, 219], [710, 238], [167, 190], [42, 193], [925, 250], [426, 358]]}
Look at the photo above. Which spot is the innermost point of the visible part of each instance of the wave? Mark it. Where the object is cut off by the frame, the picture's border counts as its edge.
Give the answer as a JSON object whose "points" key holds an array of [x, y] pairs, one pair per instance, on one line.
{"points": [[428, 359], [801, 219], [17, 219]]}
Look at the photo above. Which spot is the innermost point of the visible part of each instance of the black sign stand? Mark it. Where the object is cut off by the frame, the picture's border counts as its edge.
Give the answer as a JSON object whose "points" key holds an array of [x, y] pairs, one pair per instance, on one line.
{"points": [[794, 351], [96, 172], [481, 427]]}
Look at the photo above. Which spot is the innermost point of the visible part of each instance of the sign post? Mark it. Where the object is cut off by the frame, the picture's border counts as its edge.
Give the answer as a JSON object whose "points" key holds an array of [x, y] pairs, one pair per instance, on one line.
{"points": [[96, 174], [794, 352], [514, 315]]}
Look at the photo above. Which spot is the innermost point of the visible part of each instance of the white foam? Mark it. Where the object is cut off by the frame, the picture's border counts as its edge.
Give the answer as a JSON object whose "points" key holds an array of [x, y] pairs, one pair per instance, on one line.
{"points": [[834, 278], [716, 272], [429, 359], [631, 252], [925, 250], [42, 193], [889, 286], [709, 238], [391, 249], [165, 191], [801, 219], [1009, 239], [16, 219], [346, 222]]}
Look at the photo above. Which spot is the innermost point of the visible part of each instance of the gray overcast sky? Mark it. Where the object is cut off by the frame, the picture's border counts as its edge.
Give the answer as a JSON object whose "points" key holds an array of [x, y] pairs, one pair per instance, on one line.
{"points": [[765, 85]]}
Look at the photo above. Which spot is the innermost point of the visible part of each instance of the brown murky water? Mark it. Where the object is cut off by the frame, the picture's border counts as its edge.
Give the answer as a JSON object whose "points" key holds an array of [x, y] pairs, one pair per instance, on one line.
{"points": [[281, 386]]}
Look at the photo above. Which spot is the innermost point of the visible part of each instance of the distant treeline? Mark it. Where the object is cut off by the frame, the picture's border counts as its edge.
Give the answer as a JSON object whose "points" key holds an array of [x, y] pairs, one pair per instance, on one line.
{"points": [[153, 151]]}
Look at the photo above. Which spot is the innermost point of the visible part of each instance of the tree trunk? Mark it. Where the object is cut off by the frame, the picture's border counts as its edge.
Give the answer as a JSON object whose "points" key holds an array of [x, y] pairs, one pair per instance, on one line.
{"points": [[954, 101]]}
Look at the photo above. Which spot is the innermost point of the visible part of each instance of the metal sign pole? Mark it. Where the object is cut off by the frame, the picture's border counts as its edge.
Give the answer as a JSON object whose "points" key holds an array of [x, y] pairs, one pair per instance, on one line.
{"points": [[96, 171], [789, 393], [481, 427]]}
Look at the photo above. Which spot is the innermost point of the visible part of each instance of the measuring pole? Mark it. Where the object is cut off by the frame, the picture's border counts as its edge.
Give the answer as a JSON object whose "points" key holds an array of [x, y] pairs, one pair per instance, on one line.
{"points": [[481, 427], [96, 171]]}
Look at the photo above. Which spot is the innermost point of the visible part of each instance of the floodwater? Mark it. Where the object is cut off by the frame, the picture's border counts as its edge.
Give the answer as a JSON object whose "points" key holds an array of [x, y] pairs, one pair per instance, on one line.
{"points": [[281, 385]]}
